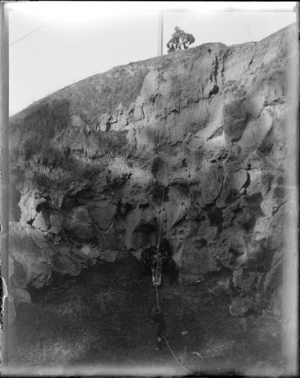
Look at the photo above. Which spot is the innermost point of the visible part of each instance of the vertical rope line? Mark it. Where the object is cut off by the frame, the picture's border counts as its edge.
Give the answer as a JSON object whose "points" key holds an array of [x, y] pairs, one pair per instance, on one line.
{"points": [[161, 218], [163, 195], [166, 165]]}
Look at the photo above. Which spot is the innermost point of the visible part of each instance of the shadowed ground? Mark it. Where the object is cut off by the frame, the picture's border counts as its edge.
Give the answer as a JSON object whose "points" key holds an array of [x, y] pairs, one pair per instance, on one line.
{"points": [[104, 317]]}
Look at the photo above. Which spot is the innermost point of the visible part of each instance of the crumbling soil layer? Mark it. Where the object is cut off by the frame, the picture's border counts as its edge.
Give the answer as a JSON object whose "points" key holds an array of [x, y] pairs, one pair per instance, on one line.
{"points": [[104, 317]]}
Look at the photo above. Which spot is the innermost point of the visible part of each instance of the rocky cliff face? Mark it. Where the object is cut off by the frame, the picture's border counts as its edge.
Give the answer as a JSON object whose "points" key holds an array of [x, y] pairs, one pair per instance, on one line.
{"points": [[190, 146]]}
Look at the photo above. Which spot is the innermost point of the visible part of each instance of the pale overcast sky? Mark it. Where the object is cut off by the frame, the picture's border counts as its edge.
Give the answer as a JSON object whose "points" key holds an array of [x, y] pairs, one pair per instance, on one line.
{"points": [[54, 44]]}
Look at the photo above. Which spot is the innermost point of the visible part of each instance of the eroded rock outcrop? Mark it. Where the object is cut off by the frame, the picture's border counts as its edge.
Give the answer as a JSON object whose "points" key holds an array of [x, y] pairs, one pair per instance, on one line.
{"points": [[191, 145]]}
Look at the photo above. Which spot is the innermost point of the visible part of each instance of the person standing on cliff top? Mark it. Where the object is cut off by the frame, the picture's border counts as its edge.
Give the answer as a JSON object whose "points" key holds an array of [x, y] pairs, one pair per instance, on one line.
{"points": [[180, 39]]}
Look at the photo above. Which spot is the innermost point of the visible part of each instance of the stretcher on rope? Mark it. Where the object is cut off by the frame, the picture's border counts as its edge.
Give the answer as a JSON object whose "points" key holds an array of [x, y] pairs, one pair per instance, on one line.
{"points": [[156, 270], [156, 276]]}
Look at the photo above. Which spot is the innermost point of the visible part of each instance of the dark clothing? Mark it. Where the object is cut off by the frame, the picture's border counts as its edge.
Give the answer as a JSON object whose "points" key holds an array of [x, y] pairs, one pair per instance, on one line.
{"points": [[165, 248], [147, 256], [159, 319], [161, 327], [145, 263]]}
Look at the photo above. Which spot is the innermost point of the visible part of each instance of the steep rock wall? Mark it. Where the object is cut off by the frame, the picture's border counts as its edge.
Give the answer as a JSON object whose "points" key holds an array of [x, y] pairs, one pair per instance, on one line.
{"points": [[191, 146]]}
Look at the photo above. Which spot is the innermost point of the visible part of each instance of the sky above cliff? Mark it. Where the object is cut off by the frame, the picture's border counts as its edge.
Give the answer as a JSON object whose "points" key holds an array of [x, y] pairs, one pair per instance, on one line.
{"points": [[54, 44]]}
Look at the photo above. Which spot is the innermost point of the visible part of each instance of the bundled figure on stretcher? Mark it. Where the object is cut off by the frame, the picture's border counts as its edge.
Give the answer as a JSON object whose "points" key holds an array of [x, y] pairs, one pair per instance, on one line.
{"points": [[158, 261]]}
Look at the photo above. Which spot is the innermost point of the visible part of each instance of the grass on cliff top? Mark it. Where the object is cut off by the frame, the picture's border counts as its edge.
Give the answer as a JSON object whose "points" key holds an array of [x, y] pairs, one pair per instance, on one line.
{"points": [[44, 143], [91, 97], [102, 93]]}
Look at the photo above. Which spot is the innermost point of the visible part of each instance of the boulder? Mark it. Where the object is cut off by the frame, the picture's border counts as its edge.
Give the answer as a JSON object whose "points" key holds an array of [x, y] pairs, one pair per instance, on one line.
{"points": [[210, 184], [102, 216], [56, 223], [30, 204], [41, 222], [33, 252], [65, 262], [108, 256], [196, 260], [78, 222], [235, 119]]}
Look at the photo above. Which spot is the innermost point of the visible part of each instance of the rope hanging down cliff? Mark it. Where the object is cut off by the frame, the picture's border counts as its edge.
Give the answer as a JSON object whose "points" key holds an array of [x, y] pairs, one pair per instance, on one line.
{"points": [[188, 371], [163, 192], [161, 219], [157, 308]]}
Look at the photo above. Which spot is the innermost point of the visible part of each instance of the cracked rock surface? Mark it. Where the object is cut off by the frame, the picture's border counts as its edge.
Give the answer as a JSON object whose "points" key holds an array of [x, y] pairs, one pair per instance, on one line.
{"points": [[191, 143]]}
